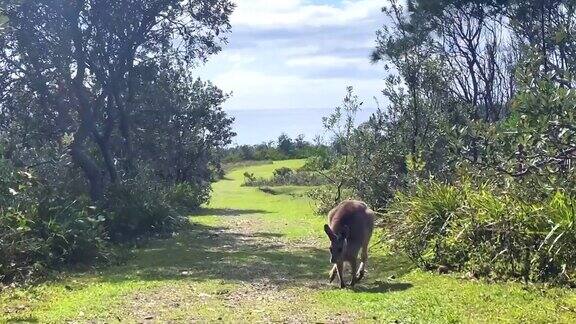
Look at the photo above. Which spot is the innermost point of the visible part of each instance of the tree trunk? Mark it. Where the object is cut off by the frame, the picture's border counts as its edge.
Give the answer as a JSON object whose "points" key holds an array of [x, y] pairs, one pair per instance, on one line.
{"points": [[125, 132], [92, 172]]}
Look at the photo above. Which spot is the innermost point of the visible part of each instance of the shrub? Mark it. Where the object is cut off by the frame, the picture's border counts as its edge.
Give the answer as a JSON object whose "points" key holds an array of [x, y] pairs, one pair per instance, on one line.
{"points": [[282, 172], [286, 177], [188, 195], [249, 179], [30, 243], [137, 208], [325, 198], [43, 228], [485, 231], [40, 230]]}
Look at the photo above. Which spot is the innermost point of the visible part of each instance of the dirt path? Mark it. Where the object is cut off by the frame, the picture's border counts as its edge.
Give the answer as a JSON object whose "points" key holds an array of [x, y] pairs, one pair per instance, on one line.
{"points": [[242, 273], [237, 263]]}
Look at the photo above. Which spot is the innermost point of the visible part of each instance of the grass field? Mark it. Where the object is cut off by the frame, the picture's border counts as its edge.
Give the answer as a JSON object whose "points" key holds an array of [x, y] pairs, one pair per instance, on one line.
{"points": [[253, 256]]}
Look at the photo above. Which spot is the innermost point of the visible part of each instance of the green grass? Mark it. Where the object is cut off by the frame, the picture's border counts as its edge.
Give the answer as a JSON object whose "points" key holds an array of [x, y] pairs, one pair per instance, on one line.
{"points": [[254, 256]]}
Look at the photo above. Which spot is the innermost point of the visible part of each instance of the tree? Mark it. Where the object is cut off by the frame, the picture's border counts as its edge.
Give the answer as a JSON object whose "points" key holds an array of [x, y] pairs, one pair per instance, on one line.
{"points": [[482, 105], [181, 124], [70, 68], [341, 124], [285, 145], [417, 88]]}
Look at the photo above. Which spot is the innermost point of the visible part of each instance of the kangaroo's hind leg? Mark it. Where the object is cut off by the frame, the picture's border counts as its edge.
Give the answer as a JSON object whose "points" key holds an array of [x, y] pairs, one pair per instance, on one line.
{"points": [[363, 261], [355, 279], [333, 273], [340, 267]]}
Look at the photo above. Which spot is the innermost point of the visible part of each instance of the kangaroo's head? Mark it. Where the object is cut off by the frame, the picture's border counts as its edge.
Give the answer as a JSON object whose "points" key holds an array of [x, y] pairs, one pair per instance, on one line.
{"points": [[337, 243]]}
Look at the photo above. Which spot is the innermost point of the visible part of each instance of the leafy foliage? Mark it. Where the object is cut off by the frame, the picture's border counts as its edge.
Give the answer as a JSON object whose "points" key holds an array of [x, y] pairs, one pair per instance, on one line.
{"points": [[181, 125], [486, 231], [80, 68], [475, 150], [284, 148], [189, 196], [104, 134], [135, 210], [285, 177], [40, 231]]}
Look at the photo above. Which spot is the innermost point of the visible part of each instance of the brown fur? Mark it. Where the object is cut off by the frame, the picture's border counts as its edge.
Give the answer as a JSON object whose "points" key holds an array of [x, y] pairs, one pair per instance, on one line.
{"points": [[350, 228]]}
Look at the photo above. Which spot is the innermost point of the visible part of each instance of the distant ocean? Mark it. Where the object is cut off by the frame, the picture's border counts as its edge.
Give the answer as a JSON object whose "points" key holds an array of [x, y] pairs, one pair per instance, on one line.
{"points": [[257, 126]]}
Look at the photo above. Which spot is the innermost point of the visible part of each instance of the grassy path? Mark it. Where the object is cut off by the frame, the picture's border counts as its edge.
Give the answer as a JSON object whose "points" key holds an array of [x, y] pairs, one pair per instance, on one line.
{"points": [[253, 256]]}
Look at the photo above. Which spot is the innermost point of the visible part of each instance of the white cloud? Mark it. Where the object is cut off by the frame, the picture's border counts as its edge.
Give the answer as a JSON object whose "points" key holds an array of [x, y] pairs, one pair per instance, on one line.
{"points": [[255, 90], [237, 59], [325, 61], [267, 13], [298, 53]]}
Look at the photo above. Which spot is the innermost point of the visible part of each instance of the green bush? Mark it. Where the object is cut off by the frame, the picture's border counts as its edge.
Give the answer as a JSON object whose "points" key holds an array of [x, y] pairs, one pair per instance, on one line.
{"points": [[30, 244], [282, 172], [324, 198], [485, 231], [249, 179], [136, 209], [188, 195], [286, 177], [40, 230]]}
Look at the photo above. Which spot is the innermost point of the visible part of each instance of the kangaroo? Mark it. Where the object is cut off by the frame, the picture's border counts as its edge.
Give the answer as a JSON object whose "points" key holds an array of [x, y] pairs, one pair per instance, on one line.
{"points": [[350, 229]]}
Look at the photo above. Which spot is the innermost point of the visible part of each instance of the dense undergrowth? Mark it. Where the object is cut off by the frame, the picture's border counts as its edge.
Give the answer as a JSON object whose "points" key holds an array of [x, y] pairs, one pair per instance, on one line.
{"points": [[43, 229], [472, 158], [39, 230], [114, 149], [487, 232]]}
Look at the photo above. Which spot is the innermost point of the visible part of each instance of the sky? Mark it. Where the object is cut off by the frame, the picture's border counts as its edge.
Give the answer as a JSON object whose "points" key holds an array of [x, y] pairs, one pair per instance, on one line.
{"points": [[298, 54]]}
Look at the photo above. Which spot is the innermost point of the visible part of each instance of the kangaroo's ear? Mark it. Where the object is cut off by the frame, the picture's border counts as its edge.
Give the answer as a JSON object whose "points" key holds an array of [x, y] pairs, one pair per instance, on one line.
{"points": [[329, 232], [346, 231]]}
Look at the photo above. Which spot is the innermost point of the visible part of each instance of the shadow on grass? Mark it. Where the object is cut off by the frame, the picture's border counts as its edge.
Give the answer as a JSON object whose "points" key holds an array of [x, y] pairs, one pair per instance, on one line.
{"points": [[383, 287], [268, 190], [208, 253], [227, 212], [22, 320], [268, 235]]}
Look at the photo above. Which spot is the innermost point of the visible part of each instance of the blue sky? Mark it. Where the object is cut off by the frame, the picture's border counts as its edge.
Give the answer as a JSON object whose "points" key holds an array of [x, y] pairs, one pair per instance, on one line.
{"points": [[290, 54]]}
